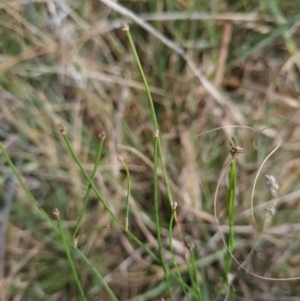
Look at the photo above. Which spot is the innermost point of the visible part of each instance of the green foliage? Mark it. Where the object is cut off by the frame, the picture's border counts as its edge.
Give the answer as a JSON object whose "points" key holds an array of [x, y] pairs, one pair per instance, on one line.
{"points": [[84, 73]]}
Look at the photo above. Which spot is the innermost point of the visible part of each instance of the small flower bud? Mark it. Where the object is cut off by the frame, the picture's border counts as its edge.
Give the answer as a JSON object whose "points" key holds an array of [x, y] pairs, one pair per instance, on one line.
{"points": [[124, 26], [102, 136], [190, 245], [175, 204], [62, 129], [56, 214]]}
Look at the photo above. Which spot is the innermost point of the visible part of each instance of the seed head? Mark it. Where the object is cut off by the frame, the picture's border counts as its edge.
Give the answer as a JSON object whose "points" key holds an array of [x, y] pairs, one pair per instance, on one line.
{"points": [[175, 204], [235, 150], [102, 136], [56, 214], [124, 26], [190, 245], [62, 129], [121, 159]]}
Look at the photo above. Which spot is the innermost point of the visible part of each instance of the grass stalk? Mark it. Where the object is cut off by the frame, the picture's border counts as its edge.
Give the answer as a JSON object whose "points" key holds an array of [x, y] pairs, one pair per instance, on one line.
{"points": [[102, 137], [184, 289], [152, 109], [158, 233], [97, 274], [230, 215], [56, 215], [128, 192], [196, 282], [125, 28], [190, 265]]}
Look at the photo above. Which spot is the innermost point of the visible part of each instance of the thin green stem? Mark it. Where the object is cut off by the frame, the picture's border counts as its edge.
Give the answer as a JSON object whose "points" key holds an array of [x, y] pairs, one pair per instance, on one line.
{"points": [[70, 260], [200, 263], [153, 114], [136, 57], [97, 274], [86, 198], [128, 192], [156, 213], [196, 282], [190, 271], [230, 214], [172, 249], [165, 175]]}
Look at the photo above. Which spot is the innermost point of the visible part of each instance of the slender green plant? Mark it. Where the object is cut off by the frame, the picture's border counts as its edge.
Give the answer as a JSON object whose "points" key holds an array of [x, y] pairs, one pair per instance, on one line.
{"points": [[55, 227], [156, 213], [102, 137], [235, 151], [184, 289], [195, 280], [77, 252], [106, 207], [125, 28], [56, 215], [230, 215], [121, 159], [99, 196], [192, 271]]}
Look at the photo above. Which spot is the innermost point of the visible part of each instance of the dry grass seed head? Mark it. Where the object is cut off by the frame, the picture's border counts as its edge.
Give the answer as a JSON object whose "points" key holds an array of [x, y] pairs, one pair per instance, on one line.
{"points": [[235, 150]]}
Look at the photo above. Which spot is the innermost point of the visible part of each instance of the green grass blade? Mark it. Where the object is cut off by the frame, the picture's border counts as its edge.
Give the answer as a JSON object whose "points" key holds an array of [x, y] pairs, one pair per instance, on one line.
{"points": [[102, 137], [230, 214], [70, 260], [140, 68], [153, 114], [96, 273], [156, 213], [128, 192], [184, 289], [196, 282]]}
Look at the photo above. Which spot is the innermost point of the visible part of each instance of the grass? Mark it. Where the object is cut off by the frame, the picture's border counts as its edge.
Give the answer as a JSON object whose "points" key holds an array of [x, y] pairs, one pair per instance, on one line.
{"points": [[90, 76], [231, 197], [86, 198], [56, 215]]}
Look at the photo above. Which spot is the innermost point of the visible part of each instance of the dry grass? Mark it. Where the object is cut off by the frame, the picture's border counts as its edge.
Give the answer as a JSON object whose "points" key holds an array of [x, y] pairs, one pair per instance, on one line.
{"points": [[68, 62]]}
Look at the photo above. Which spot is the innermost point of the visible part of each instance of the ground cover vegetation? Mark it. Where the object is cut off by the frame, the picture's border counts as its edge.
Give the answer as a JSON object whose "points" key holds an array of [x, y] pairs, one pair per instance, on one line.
{"points": [[149, 150]]}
